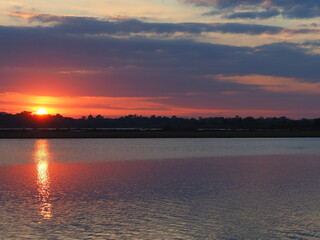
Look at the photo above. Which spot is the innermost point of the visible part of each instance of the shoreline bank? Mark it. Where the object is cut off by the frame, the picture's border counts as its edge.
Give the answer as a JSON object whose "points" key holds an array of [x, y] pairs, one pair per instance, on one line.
{"points": [[39, 133]]}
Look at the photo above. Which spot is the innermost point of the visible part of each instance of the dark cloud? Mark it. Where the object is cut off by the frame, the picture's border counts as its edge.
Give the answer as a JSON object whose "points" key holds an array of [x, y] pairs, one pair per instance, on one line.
{"points": [[311, 43], [285, 8], [94, 26], [251, 29], [254, 15], [310, 25], [38, 47], [90, 25]]}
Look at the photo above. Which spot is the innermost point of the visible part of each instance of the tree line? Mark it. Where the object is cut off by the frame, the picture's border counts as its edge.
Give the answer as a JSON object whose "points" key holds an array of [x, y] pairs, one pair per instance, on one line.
{"points": [[29, 120]]}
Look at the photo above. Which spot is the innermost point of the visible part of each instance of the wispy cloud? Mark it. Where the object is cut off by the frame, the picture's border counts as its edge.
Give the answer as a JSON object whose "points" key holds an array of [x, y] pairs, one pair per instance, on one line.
{"points": [[274, 84], [91, 25], [111, 106], [263, 8]]}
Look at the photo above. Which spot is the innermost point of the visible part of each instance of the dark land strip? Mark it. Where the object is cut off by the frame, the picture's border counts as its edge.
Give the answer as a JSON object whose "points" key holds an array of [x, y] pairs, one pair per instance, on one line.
{"points": [[44, 133]]}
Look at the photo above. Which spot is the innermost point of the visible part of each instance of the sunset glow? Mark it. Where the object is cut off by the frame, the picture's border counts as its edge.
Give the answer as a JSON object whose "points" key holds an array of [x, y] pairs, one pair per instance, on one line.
{"points": [[177, 57], [42, 111]]}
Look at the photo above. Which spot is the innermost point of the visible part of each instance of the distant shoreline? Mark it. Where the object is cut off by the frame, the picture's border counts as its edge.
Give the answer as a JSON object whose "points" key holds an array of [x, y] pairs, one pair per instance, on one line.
{"points": [[41, 133]]}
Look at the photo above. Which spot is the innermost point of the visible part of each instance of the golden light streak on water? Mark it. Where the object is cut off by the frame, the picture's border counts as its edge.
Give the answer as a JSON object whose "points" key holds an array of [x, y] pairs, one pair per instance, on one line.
{"points": [[41, 157]]}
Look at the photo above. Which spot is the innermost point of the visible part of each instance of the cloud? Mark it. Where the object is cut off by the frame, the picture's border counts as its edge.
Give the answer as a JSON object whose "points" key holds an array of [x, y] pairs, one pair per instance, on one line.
{"points": [[106, 106], [274, 84], [263, 8], [35, 47], [254, 15], [90, 25], [310, 25]]}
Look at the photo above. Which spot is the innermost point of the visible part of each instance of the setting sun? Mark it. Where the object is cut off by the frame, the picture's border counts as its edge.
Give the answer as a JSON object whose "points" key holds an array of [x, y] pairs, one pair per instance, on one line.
{"points": [[42, 111]]}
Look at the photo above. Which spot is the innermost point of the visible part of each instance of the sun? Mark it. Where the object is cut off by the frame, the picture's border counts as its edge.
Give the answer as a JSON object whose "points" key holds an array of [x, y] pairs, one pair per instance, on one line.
{"points": [[42, 111]]}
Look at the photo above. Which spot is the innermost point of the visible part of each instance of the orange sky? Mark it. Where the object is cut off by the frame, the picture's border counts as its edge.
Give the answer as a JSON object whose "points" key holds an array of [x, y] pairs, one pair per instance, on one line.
{"points": [[115, 107]]}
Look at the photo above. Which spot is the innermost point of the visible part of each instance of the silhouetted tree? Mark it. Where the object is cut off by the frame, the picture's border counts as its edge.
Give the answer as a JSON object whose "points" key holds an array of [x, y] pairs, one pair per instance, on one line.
{"points": [[28, 120]]}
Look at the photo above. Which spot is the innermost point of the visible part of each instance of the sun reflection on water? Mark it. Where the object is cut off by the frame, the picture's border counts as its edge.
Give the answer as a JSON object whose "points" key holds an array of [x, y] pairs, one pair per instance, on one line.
{"points": [[41, 157]]}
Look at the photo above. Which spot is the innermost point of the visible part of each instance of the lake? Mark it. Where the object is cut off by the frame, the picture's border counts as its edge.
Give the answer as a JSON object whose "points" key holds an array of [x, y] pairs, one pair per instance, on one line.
{"points": [[160, 188]]}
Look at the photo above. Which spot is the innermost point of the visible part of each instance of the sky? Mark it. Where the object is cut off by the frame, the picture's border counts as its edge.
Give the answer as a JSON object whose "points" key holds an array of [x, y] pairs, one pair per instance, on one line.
{"points": [[187, 58]]}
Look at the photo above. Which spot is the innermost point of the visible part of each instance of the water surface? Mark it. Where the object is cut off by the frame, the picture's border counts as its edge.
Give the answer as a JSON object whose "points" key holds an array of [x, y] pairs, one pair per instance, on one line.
{"points": [[160, 189], [20, 151]]}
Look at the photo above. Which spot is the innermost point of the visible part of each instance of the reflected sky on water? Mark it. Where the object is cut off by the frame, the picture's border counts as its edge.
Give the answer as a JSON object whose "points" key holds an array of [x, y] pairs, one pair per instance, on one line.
{"points": [[266, 196], [102, 150]]}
